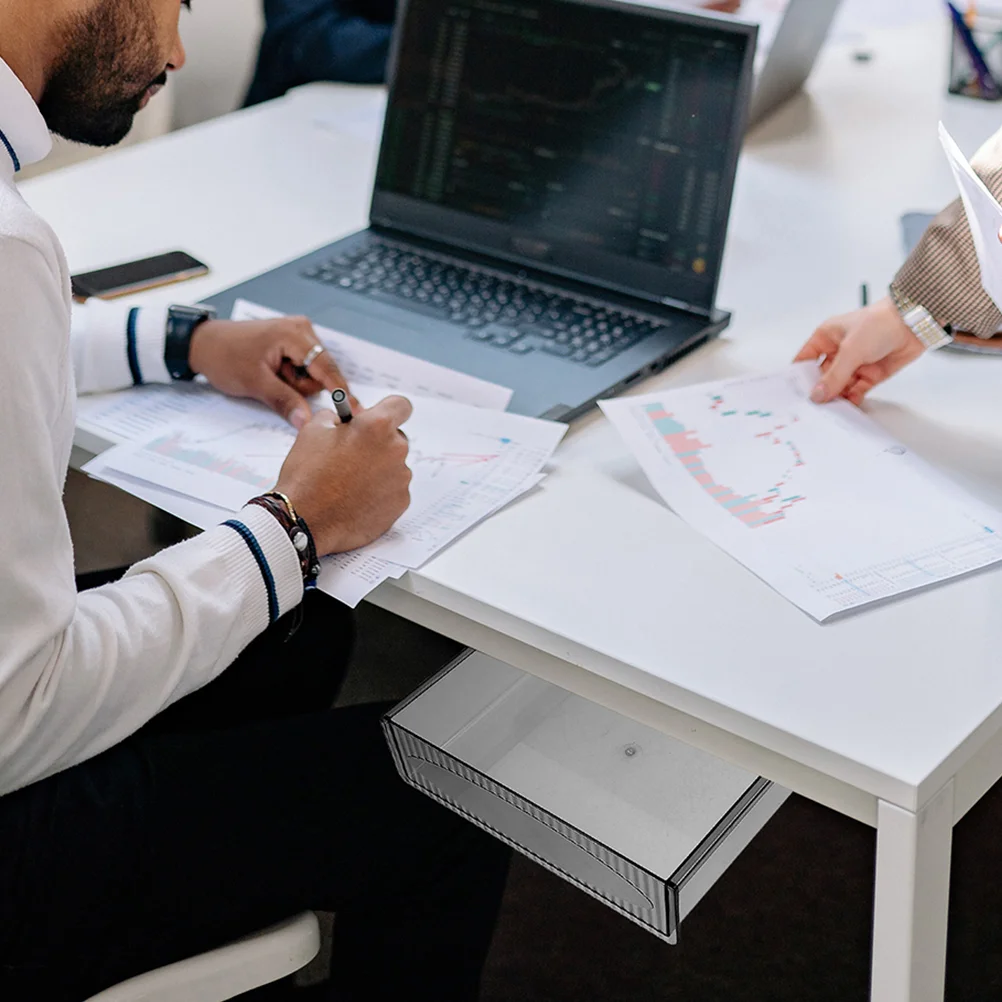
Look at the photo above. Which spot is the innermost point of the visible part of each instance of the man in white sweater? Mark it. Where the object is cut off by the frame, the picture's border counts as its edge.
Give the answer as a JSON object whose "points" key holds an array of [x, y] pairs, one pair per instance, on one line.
{"points": [[142, 820]]}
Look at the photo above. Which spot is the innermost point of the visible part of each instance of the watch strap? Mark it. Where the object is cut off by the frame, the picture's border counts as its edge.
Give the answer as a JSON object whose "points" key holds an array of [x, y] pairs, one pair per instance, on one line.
{"points": [[921, 322], [182, 322]]}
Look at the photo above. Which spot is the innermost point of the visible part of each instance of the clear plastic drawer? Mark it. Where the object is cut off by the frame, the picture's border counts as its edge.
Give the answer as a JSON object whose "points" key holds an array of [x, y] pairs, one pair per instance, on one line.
{"points": [[641, 821]]}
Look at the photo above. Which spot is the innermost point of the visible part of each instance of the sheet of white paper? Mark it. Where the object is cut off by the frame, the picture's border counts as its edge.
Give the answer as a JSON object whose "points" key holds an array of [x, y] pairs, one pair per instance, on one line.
{"points": [[198, 513], [467, 462], [229, 451], [461, 476], [373, 365], [818, 501], [129, 414], [432, 522], [348, 577], [984, 216], [223, 454], [351, 576]]}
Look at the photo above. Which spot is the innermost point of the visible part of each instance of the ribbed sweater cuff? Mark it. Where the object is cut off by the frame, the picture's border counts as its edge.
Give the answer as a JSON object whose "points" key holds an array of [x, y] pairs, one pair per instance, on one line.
{"points": [[273, 587]]}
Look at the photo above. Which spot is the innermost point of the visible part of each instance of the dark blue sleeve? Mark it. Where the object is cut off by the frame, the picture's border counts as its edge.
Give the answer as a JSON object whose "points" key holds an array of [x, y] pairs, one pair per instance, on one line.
{"points": [[309, 40]]}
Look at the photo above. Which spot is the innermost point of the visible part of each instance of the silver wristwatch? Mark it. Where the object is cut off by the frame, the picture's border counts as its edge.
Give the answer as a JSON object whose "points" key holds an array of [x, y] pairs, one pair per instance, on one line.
{"points": [[921, 322]]}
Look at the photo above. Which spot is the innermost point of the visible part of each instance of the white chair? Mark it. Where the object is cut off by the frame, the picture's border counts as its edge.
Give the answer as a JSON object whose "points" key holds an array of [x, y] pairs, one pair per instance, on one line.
{"points": [[231, 970]]}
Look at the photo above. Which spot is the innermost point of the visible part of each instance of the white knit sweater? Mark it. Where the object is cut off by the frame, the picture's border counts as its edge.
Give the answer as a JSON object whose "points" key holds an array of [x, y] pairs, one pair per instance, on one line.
{"points": [[80, 672]]}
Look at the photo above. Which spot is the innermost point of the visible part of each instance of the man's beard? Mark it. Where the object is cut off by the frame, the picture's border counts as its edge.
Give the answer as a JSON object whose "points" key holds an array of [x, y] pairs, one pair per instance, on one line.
{"points": [[108, 63]]}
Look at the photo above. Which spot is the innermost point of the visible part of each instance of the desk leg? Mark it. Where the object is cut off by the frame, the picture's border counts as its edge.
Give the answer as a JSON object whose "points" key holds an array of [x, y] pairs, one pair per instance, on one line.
{"points": [[912, 901]]}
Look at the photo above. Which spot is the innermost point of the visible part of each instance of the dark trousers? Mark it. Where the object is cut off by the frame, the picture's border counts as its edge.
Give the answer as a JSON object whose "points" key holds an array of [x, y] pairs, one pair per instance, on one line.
{"points": [[241, 805]]}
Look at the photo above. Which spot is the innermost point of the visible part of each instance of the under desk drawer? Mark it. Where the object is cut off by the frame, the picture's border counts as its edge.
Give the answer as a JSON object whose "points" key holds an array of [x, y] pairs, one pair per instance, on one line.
{"points": [[641, 821]]}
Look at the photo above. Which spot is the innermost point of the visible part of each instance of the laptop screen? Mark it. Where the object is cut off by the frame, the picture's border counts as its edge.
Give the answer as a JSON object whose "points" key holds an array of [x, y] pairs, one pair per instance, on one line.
{"points": [[595, 141]]}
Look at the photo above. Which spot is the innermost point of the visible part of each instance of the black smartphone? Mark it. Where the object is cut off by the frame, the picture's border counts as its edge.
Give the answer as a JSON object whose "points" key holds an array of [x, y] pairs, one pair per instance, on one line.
{"points": [[137, 276]]}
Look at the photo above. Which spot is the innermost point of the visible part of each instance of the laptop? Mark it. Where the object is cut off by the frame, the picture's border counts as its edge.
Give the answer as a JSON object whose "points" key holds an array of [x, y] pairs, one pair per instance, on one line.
{"points": [[788, 62], [551, 197]]}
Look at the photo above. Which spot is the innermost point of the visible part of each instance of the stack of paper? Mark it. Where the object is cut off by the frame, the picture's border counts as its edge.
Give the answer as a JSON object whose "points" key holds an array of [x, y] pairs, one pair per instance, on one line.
{"points": [[207, 455]]}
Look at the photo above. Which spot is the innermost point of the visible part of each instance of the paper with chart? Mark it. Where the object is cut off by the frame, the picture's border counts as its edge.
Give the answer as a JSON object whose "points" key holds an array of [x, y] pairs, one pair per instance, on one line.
{"points": [[349, 577], [363, 362], [230, 451], [129, 414], [467, 463], [223, 454], [818, 501], [984, 217]]}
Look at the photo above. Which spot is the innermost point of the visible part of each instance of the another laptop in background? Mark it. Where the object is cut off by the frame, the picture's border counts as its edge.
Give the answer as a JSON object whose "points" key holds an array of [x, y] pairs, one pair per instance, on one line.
{"points": [[787, 64], [551, 200]]}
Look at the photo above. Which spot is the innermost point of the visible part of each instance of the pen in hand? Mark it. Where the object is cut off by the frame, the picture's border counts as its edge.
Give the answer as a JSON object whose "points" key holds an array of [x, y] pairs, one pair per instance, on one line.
{"points": [[341, 405]]}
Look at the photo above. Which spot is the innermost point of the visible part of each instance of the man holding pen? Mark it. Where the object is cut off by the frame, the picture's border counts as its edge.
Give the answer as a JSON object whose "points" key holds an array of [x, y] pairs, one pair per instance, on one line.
{"points": [[171, 773]]}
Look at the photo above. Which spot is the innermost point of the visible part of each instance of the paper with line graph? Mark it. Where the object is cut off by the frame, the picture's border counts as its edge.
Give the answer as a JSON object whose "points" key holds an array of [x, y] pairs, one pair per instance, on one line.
{"points": [[467, 463], [818, 501]]}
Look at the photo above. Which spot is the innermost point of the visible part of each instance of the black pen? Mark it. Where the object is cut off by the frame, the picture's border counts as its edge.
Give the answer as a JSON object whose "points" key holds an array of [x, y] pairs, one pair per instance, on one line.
{"points": [[864, 295], [341, 405]]}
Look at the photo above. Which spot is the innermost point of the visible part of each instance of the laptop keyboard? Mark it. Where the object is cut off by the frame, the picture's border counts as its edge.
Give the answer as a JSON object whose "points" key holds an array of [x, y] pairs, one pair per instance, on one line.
{"points": [[496, 310]]}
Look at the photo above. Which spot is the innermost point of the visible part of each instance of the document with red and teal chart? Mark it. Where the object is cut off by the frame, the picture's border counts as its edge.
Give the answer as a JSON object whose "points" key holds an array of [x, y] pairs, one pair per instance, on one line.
{"points": [[817, 500]]}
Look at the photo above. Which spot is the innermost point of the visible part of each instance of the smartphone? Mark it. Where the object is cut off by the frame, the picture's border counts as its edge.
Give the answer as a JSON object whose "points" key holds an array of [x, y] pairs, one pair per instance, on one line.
{"points": [[137, 276]]}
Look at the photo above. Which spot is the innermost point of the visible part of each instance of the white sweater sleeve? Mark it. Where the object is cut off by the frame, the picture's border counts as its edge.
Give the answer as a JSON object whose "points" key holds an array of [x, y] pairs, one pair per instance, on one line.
{"points": [[116, 345], [80, 672]]}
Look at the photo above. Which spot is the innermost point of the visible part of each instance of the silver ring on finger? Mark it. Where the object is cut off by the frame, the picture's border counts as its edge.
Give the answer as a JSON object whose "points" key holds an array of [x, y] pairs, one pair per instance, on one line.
{"points": [[313, 354]]}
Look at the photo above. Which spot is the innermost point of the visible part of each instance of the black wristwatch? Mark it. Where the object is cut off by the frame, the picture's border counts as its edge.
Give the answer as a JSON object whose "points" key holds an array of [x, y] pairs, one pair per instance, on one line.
{"points": [[181, 324]]}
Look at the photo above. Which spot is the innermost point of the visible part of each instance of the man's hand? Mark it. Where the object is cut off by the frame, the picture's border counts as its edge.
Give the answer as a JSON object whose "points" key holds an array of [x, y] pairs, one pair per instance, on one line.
{"points": [[860, 350], [258, 359], [350, 482]]}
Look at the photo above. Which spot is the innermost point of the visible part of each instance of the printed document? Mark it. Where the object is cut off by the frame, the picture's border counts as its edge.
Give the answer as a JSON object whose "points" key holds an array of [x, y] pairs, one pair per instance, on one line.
{"points": [[984, 217], [817, 500], [363, 362], [124, 415], [467, 463]]}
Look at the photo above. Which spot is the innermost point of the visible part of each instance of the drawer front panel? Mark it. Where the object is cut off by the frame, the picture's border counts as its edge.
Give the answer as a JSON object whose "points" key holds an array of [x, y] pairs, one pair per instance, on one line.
{"points": [[536, 833]]}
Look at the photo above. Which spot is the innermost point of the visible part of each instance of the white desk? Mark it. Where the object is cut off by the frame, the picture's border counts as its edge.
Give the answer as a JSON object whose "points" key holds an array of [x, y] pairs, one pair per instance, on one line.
{"points": [[892, 715]]}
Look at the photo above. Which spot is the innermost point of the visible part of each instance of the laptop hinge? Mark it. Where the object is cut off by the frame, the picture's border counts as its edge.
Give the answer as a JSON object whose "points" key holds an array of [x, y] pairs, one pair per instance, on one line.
{"points": [[530, 270]]}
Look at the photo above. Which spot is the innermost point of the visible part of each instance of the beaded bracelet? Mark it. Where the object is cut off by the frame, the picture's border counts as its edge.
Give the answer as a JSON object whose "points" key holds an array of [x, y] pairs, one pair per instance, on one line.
{"points": [[299, 533]]}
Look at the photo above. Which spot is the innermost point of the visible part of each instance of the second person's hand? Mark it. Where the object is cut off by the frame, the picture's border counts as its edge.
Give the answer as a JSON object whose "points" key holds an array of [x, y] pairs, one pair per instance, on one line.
{"points": [[860, 350]]}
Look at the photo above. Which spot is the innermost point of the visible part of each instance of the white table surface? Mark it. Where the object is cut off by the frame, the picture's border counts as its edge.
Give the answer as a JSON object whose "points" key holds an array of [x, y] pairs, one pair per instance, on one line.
{"points": [[593, 569]]}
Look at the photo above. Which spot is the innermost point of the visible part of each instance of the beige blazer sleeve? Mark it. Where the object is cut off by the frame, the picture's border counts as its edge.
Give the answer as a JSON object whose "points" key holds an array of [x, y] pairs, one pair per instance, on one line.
{"points": [[942, 272]]}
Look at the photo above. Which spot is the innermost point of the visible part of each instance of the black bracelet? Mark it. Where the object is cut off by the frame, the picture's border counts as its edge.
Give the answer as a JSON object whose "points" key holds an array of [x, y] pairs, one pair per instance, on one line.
{"points": [[298, 531]]}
